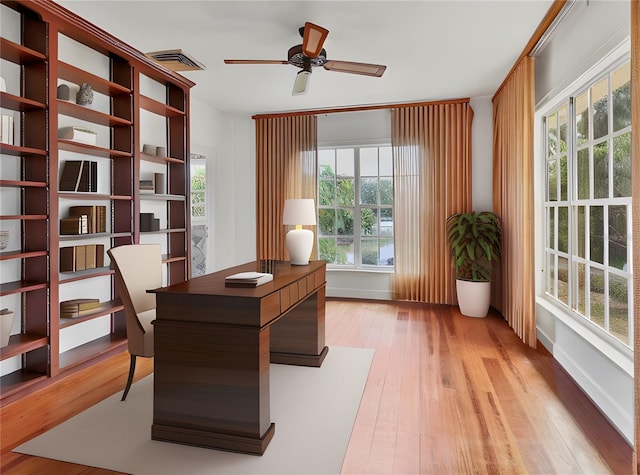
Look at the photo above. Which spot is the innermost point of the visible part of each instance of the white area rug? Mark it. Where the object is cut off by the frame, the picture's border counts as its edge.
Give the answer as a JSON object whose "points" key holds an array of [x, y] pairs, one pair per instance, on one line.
{"points": [[314, 410]]}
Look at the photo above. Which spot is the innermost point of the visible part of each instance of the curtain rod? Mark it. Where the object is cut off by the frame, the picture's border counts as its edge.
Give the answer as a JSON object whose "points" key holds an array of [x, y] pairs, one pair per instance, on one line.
{"points": [[359, 108], [552, 28]]}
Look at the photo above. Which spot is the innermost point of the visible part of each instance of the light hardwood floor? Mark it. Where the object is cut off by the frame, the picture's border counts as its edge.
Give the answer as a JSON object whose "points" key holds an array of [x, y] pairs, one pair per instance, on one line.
{"points": [[446, 394]]}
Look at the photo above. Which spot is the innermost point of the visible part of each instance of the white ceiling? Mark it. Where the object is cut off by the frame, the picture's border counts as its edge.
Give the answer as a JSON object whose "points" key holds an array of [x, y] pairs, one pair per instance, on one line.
{"points": [[433, 49]]}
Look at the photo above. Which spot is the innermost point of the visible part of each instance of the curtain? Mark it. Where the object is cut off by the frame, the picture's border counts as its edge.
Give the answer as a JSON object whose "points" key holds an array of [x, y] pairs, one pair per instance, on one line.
{"points": [[286, 162], [513, 118], [635, 179], [432, 180]]}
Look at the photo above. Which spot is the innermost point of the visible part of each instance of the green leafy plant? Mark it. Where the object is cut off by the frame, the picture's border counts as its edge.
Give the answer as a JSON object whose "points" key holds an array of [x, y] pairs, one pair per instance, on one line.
{"points": [[475, 241]]}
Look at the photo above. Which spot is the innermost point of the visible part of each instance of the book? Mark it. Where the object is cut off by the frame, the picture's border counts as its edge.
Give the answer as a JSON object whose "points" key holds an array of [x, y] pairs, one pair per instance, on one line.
{"points": [[78, 134], [82, 257], [75, 225], [247, 279], [75, 305], [79, 175], [77, 313], [69, 175]]}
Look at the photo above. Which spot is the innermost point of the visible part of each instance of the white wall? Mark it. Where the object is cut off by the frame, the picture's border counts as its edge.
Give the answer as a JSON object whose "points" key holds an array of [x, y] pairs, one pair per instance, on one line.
{"points": [[601, 366]]}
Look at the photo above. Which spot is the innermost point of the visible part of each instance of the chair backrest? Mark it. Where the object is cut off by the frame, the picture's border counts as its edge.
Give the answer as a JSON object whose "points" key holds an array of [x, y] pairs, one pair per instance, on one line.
{"points": [[139, 267]]}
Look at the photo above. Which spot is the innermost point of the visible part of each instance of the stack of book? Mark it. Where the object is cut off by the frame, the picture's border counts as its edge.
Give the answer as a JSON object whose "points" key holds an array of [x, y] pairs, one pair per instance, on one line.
{"points": [[82, 257], [79, 175], [78, 307], [247, 279], [147, 186], [96, 217]]}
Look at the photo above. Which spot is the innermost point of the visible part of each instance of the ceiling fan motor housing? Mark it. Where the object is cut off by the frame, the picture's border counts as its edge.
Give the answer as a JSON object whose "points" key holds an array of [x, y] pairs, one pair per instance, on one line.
{"points": [[297, 58]]}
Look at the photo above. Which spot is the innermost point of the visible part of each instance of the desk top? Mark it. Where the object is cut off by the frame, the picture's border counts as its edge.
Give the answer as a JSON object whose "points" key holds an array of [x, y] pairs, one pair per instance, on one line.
{"points": [[283, 272]]}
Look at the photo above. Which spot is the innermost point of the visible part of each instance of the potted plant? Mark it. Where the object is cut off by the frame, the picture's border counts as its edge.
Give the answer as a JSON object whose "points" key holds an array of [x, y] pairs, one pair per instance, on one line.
{"points": [[475, 241]]}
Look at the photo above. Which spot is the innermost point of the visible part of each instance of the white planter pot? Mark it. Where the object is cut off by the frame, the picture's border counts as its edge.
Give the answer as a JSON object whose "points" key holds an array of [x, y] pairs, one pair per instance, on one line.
{"points": [[474, 298], [6, 322]]}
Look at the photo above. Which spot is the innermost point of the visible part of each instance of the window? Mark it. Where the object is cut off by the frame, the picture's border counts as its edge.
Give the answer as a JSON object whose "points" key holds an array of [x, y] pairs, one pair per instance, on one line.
{"points": [[355, 201], [588, 203], [198, 188]]}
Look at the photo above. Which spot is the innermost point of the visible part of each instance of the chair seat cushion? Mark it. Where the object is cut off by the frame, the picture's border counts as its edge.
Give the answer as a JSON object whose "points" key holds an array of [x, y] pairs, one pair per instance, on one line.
{"points": [[146, 318]]}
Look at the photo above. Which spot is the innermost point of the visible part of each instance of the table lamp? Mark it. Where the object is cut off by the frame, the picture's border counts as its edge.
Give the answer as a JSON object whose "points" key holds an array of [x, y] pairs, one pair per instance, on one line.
{"points": [[299, 212]]}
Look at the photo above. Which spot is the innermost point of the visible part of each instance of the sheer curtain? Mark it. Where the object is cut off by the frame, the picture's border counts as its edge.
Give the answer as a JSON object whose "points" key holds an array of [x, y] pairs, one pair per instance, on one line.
{"points": [[432, 180], [635, 161], [286, 162], [513, 116]]}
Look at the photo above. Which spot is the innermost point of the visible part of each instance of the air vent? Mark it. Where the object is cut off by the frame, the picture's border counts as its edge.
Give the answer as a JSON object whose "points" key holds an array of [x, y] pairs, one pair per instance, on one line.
{"points": [[176, 60]]}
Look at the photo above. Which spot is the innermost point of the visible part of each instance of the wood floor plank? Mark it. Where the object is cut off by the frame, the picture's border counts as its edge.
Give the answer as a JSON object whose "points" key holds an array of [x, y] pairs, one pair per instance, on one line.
{"points": [[445, 394]]}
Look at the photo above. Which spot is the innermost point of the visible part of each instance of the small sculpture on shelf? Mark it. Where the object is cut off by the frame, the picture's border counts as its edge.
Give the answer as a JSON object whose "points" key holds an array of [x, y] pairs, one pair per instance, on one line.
{"points": [[85, 94], [6, 323], [63, 92]]}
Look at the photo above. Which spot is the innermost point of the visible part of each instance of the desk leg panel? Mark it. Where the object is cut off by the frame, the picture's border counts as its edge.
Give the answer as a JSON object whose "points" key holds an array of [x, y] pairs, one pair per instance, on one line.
{"points": [[211, 379], [299, 336]]}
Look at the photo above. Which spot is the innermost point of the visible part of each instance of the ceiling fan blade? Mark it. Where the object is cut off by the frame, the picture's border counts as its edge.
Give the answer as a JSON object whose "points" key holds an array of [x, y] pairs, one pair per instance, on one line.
{"points": [[255, 61], [313, 39], [366, 69]]}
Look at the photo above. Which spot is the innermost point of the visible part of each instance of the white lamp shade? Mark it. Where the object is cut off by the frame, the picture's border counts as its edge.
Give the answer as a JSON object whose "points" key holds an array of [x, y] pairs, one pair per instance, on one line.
{"points": [[299, 212]]}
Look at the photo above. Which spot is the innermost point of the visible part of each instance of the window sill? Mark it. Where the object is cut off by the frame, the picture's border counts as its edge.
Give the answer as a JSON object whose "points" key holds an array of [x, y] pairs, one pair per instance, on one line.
{"points": [[616, 351], [361, 270]]}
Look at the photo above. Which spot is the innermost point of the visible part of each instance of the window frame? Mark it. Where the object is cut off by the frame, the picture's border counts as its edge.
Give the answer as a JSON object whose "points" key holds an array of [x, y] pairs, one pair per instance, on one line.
{"points": [[357, 207], [548, 251]]}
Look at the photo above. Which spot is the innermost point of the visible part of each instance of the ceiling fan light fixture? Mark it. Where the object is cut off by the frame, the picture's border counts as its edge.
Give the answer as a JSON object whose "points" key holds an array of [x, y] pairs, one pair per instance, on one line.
{"points": [[301, 83]]}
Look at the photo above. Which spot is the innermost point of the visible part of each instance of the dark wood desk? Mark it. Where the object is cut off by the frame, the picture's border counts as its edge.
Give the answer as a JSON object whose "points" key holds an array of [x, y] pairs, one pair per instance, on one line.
{"points": [[213, 345]]}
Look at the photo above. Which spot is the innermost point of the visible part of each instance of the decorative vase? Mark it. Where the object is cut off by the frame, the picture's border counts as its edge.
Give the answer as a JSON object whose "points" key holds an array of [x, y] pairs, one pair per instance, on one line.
{"points": [[6, 323], [474, 298]]}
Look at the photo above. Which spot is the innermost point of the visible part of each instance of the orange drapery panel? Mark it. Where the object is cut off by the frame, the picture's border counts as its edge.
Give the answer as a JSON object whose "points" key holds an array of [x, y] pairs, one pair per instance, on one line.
{"points": [[432, 180], [513, 118], [635, 180], [286, 162]]}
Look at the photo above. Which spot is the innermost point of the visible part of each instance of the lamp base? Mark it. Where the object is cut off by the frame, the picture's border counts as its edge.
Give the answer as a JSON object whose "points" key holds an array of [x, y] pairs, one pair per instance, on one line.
{"points": [[299, 244]]}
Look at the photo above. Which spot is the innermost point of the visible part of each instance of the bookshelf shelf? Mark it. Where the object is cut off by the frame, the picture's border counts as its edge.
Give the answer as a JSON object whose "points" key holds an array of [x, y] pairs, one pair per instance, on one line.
{"points": [[17, 150], [79, 112], [159, 108], [70, 73], [17, 103], [77, 147], [5, 256], [22, 343], [8, 288], [105, 308], [19, 54], [23, 184], [162, 160]]}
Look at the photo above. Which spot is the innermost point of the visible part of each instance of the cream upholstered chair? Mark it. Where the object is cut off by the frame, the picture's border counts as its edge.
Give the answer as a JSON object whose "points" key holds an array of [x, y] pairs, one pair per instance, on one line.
{"points": [[138, 268]]}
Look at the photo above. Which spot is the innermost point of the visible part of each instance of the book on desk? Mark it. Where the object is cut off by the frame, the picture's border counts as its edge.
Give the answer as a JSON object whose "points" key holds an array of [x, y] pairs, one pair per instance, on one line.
{"points": [[247, 279]]}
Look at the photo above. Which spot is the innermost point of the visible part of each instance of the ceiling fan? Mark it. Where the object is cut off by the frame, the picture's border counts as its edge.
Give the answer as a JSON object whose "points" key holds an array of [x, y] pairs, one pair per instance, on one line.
{"points": [[311, 54]]}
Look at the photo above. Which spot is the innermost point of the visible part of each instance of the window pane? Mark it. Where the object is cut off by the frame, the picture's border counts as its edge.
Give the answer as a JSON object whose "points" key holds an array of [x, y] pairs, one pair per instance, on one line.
{"points": [[345, 252], [562, 129], [369, 191], [197, 198], [345, 162], [563, 178], [563, 280], [386, 191], [619, 307], [327, 222], [552, 180], [599, 107], [328, 250], [583, 174], [197, 211], [551, 274], [596, 296], [622, 165], [345, 192], [601, 170], [581, 232], [596, 234], [369, 252], [386, 252], [580, 300], [326, 192], [618, 236], [582, 119], [344, 222], [369, 161], [552, 135], [386, 222], [386, 161], [552, 228], [621, 86], [563, 229], [327, 163], [368, 222], [198, 177]]}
